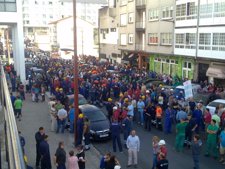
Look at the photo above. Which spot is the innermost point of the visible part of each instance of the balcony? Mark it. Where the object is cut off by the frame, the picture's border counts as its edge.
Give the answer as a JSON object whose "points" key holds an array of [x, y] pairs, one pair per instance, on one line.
{"points": [[140, 4], [140, 47], [140, 26]]}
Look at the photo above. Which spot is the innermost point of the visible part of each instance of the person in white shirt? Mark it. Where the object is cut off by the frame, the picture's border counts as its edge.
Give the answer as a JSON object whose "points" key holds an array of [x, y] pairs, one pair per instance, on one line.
{"points": [[133, 145], [61, 119]]}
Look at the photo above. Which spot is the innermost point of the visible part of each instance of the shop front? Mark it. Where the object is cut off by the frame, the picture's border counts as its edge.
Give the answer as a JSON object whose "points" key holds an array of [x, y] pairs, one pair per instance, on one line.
{"points": [[172, 65]]}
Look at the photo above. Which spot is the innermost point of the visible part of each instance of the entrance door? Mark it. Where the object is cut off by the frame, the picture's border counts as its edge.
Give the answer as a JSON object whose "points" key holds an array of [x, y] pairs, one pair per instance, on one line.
{"points": [[202, 69]]}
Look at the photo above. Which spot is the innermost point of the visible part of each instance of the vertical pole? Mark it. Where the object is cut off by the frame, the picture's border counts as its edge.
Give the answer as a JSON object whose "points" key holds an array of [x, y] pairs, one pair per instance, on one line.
{"points": [[7, 43], [75, 59]]}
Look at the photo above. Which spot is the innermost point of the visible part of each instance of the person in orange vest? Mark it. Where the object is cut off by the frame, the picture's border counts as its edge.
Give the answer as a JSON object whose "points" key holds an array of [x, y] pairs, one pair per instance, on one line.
{"points": [[159, 112]]}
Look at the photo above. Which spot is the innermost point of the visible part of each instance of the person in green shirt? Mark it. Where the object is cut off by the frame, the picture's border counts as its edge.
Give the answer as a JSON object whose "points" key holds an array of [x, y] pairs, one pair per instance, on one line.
{"points": [[18, 107], [211, 143], [180, 135]]}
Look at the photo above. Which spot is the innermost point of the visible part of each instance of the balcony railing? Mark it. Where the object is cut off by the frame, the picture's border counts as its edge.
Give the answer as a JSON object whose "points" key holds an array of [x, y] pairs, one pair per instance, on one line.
{"points": [[10, 143], [140, 47], [141, 4], [140, 25]]}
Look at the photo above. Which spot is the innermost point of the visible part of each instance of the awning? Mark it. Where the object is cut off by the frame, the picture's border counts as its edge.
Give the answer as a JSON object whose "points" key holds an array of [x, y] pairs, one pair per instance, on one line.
{"points": [[216, 72]]}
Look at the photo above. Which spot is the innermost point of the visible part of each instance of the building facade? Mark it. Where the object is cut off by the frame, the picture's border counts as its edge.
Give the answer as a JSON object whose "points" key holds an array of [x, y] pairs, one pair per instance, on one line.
{"points": [[182, 38], [108, 48], [200, 37], [65, 39], [11, 19]]}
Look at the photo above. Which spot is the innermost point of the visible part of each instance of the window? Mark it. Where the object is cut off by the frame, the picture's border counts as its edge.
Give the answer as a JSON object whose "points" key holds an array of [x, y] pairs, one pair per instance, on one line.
{"points": [[205, 41], [123, 39], [50, 2], [130, 38], [191, 8], [166, 38], [153, 14], [8, 6], [190, 40], [112, 29], [153, 38], [180, 12], [218, 41], [131, 17], [167, 12], [187, 69], [206, 10], [179, 43], [123, 19], [219, 9], [123, 2], [104, 32]]}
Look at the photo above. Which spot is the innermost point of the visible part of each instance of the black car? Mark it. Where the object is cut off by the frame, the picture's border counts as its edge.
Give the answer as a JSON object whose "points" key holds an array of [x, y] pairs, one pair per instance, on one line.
{"points": [[81, 99], [99, 124]]}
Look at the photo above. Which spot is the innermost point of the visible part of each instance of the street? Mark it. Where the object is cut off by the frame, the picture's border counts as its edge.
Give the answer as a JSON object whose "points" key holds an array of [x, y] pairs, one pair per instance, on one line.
{"points": [[176, 160]]}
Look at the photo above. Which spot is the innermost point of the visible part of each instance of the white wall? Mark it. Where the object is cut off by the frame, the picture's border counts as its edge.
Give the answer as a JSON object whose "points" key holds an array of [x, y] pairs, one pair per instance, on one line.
{"points": [[85, 36]]}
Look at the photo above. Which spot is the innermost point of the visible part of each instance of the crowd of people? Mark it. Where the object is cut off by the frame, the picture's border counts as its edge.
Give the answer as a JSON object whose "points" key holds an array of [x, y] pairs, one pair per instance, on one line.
{"points": [[127, 101]]}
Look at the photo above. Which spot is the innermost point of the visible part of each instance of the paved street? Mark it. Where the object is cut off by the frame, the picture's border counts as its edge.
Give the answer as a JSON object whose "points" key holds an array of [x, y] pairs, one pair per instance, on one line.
{"points": [[36, 115], [176, 160]]}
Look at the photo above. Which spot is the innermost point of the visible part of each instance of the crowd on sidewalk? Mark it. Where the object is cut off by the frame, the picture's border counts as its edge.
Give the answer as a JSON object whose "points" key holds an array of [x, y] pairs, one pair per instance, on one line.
{"points": [[127, 101]]}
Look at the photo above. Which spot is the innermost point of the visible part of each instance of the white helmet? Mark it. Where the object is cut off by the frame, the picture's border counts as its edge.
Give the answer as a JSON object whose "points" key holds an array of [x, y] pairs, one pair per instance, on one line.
{"points": [[162, 142]]}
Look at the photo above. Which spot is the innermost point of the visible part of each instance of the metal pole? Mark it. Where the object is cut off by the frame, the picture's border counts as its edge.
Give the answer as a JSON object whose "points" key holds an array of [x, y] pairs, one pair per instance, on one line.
{"points": [[75, 59], [7, 43]]}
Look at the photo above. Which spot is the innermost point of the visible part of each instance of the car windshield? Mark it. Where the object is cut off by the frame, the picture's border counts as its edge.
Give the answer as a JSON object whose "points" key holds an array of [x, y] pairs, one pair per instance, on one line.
{"points": [[95, 115], [216, 104], [82, 101]]}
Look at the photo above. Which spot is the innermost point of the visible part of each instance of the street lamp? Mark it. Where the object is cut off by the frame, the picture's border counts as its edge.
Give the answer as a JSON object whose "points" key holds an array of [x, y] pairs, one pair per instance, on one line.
{"points": [[75, 59]]}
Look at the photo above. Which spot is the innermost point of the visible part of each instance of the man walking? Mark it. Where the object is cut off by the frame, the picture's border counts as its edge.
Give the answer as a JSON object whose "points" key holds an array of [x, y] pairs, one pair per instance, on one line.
{"points": [[60, 157], [115, 130], [45, 154], [18, 107], [39, 137], [61, 121], [133, 145]]}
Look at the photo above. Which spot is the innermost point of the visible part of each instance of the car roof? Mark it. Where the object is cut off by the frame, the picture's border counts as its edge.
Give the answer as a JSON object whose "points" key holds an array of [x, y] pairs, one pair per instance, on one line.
{"points": [[219, 101], [88, 107]]}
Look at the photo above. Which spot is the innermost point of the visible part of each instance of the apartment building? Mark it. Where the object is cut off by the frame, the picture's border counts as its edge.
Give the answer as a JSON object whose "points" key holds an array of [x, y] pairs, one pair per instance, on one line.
{"points": [[108, 35], [200, 38], [11, 21]]}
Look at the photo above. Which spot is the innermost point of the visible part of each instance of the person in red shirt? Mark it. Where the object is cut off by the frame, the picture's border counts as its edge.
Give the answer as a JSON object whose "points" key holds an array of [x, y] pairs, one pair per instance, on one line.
{"points": [[207, 118], [162, 149]]}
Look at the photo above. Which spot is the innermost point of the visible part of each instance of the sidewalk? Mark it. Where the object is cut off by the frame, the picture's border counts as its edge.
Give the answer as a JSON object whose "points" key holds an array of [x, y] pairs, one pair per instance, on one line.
{"points": [[36, 115]]}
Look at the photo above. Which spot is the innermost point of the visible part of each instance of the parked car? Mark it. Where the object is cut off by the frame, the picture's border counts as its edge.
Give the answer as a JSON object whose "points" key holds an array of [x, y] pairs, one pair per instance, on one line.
{"points": [[81, 99], [99, 123], [212, 105]]}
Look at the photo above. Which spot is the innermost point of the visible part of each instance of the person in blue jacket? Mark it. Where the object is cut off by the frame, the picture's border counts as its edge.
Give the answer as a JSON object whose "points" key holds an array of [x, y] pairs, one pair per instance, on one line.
{"points": [[115, 131], [80, 126]]}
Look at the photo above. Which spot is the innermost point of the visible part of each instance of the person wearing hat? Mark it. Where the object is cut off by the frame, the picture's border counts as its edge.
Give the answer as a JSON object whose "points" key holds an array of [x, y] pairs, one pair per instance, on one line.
{"points": [[80, 127], [109, 108], [162, 149], [211, 143]]}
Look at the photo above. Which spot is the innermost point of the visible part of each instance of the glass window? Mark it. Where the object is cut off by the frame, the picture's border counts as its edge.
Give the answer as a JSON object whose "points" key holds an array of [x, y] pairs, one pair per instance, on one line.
{"points": [[167, 12], [179, 38], [123, 19], [131, 17], [218, 41], [166, 38], [123, 39], [153, 38], [181, 10], [205, 39], [8, 6], [131, 38], [190, 38], [153, 14]]}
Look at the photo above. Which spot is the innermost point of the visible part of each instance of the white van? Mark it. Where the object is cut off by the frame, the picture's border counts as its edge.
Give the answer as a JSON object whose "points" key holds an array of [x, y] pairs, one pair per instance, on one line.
{"points": [[180, 89]]}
